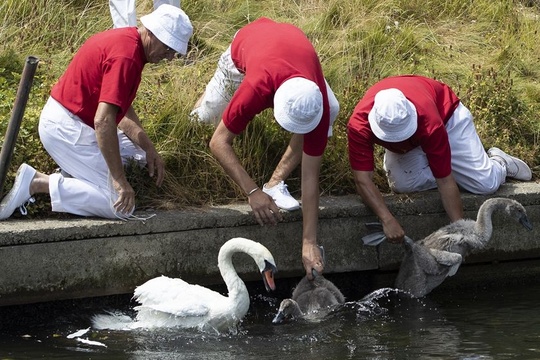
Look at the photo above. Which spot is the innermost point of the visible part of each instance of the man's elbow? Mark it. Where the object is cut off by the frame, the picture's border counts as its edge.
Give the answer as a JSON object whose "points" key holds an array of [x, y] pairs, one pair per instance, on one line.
{"points": [[215, 145]]}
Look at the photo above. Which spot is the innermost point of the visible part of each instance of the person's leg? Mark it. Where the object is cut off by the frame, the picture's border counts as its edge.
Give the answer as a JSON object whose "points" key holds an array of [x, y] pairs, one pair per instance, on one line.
{"points": [[219, 91], [472, 168], [123, 13], [73, 146], [276, 187], [408, 172]]}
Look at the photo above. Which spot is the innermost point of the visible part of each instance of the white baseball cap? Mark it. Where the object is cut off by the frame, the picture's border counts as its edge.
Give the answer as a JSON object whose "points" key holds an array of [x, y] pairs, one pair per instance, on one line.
{"points": [[171, 26], [393, 117], [298, 105]]}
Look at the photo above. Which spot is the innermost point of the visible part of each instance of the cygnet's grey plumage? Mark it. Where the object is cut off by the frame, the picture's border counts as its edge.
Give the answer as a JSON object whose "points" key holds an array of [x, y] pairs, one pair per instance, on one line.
{"points": [[466, 235], [429, 261], [310, 300], [423, 269]]}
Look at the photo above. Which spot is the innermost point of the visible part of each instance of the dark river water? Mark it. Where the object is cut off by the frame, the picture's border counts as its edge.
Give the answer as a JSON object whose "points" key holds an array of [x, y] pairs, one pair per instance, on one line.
{"points": [[491, 323]]}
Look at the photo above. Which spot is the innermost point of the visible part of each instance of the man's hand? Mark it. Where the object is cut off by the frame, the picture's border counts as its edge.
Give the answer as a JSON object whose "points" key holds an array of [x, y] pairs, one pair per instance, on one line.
{"points": [[125, 203], [393, 231], [156, 165], [312, 260], [264, 208]]}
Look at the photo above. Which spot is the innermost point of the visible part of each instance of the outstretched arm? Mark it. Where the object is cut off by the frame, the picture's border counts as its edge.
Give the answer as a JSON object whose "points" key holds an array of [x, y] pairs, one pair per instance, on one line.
{"points": [[450, 197], [311, 255], [372, 197], [264, 208]]}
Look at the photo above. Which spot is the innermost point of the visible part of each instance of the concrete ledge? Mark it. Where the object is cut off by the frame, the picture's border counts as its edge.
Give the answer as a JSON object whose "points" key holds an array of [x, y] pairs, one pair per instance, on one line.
{"points": [[46, 260]]}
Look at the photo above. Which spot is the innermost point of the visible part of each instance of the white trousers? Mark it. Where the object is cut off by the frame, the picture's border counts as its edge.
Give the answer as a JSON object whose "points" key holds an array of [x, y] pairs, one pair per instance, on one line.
{"points": [[73, 146], [472, 168], [124, 14], [222, 87]]}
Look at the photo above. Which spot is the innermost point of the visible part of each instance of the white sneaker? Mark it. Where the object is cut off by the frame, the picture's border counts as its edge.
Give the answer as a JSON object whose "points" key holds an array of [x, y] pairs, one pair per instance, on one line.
{"points": [[19, 195], [515, 168], [282, 197]]}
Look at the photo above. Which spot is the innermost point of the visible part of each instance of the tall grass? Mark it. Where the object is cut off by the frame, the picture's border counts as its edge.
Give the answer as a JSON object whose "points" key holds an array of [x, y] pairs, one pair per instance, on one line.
{"points": [[487, 50]]}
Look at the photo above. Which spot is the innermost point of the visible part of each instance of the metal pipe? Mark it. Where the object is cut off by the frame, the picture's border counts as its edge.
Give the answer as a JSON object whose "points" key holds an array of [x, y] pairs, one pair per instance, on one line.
{"points": [[16, 117]]}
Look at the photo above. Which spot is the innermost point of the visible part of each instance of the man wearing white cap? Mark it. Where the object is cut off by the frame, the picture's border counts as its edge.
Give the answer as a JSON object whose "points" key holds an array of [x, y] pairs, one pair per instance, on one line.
{"points": [[89, 127], [273, 65], [430, 142]]}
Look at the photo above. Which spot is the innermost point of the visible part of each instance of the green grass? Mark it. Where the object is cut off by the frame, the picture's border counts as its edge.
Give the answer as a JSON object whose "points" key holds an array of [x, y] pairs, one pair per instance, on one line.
{"points": [[487, 51]]}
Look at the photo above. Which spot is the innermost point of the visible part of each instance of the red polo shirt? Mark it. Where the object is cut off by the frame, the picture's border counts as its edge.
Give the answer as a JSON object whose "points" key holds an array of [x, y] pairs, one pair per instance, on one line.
{"points": [[435, 103], [107, 68], [269, 53]]}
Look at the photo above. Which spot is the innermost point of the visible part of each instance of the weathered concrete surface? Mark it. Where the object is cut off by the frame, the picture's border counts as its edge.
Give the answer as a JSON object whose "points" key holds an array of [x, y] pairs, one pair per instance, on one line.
{"points": [[60, 259]]}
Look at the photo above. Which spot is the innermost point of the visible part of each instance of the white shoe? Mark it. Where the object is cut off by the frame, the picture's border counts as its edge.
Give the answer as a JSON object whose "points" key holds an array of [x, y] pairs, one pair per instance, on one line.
{"points": [[282, 197], [515, 168], [19, 195]]}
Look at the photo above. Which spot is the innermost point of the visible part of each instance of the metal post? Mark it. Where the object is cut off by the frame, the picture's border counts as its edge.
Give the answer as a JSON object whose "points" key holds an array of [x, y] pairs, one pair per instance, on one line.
{"points": [[16, 117]]}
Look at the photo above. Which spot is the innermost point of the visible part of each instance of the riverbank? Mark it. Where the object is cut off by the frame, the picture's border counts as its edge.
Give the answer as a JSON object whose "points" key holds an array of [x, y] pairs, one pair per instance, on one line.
{"points": [[56, 259]]}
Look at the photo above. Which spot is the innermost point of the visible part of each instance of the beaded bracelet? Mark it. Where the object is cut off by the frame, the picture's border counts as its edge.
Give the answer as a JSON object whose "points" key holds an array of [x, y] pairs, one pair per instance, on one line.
{"points": [[252, 191]]}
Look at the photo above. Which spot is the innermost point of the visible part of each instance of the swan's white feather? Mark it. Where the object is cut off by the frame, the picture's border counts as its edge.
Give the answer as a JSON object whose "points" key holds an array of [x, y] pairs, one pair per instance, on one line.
{"points": [[175, 296]]}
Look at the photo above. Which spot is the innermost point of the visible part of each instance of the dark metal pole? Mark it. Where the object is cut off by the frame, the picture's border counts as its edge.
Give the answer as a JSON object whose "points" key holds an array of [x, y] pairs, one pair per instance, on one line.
{"points": [[16, 117]]}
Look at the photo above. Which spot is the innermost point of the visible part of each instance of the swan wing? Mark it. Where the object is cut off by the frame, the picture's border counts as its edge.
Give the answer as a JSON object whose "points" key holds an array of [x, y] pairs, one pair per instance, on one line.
{"points": [[434, 261], [411, 277], [442, 240], [175, 296], [448, 259], [374, 239], [186, 309]]}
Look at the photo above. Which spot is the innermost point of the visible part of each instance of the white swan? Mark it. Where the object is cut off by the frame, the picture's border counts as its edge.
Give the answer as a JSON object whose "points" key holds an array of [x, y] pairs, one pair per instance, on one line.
{"points": [[311, 300], [429, 261], [166, 302]]}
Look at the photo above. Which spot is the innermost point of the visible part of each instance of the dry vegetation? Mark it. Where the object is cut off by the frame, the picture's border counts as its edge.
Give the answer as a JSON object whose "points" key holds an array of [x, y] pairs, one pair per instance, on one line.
{"points": [[487, 50]]}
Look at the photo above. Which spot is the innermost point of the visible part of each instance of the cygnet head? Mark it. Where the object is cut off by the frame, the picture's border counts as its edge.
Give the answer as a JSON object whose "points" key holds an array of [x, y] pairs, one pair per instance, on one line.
{"points": [[288, 309], [518, 212]]}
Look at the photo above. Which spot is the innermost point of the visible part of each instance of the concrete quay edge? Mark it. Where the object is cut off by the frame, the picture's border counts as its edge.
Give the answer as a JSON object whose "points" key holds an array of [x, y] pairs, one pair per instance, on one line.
{"points": [[57, 259]]}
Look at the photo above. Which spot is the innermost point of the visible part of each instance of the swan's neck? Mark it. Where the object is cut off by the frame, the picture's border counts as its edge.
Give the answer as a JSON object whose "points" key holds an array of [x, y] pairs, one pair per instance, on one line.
{"points": [[235, 286], [484, 224]]}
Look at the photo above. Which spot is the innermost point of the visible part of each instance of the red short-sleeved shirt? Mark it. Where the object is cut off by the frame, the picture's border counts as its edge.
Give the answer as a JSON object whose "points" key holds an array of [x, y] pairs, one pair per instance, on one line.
{"points": [[107, 68], [269, 53], [435, 103]]}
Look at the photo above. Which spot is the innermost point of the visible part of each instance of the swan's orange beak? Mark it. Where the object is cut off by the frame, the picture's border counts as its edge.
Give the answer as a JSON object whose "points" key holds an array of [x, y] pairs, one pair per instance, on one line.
{"points": [[268, 276]]}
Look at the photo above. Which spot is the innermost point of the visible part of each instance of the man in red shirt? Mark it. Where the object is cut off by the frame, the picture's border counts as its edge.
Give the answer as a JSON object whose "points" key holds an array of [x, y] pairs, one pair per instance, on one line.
{"points": [[430, 142], [89, 127], [273, 65]]}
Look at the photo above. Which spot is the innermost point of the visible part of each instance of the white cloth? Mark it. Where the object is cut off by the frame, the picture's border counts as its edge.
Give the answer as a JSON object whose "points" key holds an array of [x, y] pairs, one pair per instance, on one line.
{"points": [[73, 146], [221, 88], [472, 168], [124, 14]]}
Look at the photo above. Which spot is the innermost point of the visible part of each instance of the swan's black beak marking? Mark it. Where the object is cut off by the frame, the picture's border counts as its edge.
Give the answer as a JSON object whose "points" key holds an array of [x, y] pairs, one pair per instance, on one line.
{"points": [[279, 318], [268, 276], [524, 220]]}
